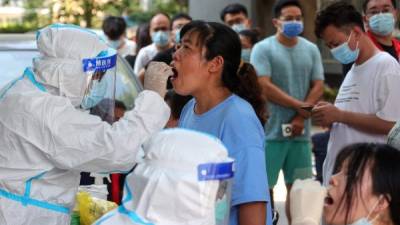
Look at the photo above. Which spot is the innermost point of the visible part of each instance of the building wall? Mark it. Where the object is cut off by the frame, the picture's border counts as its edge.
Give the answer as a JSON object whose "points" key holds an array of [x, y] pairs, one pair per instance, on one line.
{"points": [[209, 10]]}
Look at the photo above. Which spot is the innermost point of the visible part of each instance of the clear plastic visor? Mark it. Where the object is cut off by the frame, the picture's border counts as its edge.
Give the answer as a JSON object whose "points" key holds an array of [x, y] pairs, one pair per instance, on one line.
{"points": [[99, 95]]}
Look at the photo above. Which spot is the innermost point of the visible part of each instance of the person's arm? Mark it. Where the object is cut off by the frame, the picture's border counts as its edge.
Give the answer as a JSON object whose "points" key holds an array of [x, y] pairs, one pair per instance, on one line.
{"points": [[325, 114], [274, 94], [244, 136], [317, 78], [254, 213], [141, 76], [317, 88], [83, 142], [316, 91], [139, 62], [367, 123]]}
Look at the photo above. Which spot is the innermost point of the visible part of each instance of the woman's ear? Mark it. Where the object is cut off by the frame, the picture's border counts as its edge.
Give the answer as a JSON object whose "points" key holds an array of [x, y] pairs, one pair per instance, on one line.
{"points": [[216, 64], [383, 203], [382, 210]]}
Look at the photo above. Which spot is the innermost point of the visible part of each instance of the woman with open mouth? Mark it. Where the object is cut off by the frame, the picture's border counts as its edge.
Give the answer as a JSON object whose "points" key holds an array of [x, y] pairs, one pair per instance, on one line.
{"points": [[227, 104], [364, 190], [366, 186]]}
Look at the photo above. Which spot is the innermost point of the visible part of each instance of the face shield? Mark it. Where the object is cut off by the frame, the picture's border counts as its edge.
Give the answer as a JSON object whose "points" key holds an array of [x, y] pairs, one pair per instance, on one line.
{"points": [[222, 173], [99, 95], [184, 178]]}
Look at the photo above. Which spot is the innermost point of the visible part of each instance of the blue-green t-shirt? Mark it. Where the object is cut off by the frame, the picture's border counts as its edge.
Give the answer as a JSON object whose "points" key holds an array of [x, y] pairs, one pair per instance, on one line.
{"points": [[235, 123], [292, 69]]}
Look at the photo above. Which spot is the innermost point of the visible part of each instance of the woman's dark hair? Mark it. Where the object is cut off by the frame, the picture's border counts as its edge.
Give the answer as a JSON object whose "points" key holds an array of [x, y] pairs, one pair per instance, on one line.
{"points": [[114, 27], [339, 14], [176, 102], [143, 37], [383, 162], [239, 77], [120, 104], [252, 34]]}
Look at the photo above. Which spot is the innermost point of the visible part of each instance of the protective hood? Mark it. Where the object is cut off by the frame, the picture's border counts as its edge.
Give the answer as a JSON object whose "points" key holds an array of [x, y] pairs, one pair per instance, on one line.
{"points": [[173, 184], [62, 48], [166, 183]]}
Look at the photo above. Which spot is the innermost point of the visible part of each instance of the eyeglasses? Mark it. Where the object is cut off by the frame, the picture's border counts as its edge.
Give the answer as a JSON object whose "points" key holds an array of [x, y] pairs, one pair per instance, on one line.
{"points": [[375, 11]]}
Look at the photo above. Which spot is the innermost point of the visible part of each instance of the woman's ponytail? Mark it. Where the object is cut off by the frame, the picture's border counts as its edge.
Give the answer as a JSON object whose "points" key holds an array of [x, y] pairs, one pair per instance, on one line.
{"points": [[249, 89]]}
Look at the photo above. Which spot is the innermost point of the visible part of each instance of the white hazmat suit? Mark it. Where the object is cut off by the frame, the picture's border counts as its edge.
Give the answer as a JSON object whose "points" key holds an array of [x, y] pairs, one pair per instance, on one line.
{"points": [[394, 136], [45, 141], [167, 188]]}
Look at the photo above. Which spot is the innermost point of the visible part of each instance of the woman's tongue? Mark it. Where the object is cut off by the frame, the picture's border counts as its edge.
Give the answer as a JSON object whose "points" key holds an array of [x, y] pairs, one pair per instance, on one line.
{"points": [[328, 200], [175, 75]]}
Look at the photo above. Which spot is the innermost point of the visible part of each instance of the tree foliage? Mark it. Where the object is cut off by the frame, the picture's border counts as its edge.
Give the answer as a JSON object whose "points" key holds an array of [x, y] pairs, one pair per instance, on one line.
{"points": [[90, 13]]}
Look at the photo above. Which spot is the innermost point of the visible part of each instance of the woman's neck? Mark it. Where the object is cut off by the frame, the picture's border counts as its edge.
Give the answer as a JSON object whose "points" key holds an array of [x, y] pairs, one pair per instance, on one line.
{"points": [[383, 223], [383, 219], [209, 98]]}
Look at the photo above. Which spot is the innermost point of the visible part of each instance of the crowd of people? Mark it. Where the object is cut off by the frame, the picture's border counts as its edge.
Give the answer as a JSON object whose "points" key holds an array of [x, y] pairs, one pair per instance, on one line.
{"points": [[258, 96]]}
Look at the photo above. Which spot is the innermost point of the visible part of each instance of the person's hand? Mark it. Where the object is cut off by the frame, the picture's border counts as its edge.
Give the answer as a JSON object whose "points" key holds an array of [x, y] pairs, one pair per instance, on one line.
{"points": [[156, 77], [304, 110], [324, 114], [306, 202], [297, 125]]}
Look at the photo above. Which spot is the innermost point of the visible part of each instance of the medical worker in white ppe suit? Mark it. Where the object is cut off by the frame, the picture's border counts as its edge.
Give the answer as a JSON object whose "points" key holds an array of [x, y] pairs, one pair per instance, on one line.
{"points": [[46, 138], [183, 179]]}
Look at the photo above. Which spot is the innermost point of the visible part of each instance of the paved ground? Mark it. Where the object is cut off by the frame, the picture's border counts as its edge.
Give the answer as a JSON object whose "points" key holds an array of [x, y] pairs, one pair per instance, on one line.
{"points": [[280, 191]]}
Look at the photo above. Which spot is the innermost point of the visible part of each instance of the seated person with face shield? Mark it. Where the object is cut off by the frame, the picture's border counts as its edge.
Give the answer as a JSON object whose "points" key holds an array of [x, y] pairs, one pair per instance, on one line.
{"points": [[363, 190], [183, 179], [48, 136]]}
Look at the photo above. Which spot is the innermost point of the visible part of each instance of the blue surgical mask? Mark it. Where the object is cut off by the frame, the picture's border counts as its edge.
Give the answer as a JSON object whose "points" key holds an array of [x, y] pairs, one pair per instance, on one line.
{"points": [[382, 23], [246, 52], [160, 38], [95, 95], [178, 36], [362, 221], [292, 29], [344, 54], [114, 44], [238, 27]]}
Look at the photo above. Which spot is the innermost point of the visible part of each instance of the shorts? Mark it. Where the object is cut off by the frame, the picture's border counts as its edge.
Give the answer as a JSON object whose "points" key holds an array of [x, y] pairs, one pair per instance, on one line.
{"points": [[293, 157]]}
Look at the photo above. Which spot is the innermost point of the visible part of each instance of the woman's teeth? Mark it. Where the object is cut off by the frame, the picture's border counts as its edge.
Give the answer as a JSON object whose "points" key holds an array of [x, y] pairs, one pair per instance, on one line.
{"points": [[175, 75]]}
